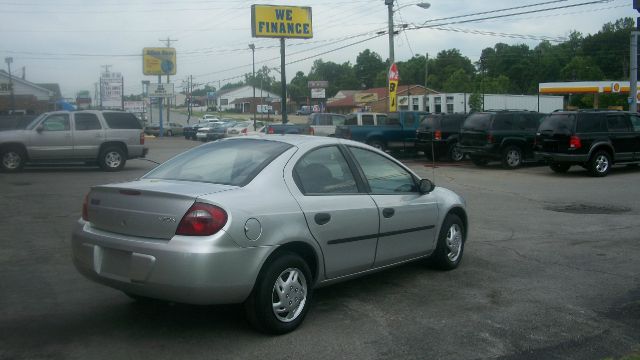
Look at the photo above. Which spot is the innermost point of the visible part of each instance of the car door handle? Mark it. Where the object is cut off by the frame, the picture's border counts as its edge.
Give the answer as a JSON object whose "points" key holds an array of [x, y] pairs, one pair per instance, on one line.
{"points": [[388, 212], [322, 218]]}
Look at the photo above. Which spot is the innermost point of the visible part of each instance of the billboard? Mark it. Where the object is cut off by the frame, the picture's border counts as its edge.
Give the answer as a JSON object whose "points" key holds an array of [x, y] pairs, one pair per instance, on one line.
{"points": [[315, 84], [160, 90], [365, 97], [134, 106], [159, 61], [111, 90], [318, 93], [276, 21]]}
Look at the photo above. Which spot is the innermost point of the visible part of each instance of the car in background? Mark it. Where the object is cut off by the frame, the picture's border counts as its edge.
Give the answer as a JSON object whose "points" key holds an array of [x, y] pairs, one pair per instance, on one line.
{"points": [[593, 139], [191, 131], [243, 127], [210, 117], [438, 135], [170, 129], [219, 131], [324, 124], [288, 128], [503, 135], [304, 110], [330, 210], [108, 138]]}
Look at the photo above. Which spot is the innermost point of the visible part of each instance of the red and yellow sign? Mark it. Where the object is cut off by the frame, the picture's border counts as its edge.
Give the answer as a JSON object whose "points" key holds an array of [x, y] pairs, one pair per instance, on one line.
{"points": [[394, 77]]}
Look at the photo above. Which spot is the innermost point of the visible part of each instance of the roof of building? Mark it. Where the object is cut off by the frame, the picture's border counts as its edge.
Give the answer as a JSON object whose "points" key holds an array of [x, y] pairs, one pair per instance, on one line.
{"points": [[55, 88], [381, 92]]}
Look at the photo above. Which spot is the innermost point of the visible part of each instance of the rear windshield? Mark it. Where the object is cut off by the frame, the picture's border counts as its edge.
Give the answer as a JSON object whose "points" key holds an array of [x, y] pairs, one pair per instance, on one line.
{"points": [[122, 120], [477, 122], [558, 123], [232, 162], [429, 122]]}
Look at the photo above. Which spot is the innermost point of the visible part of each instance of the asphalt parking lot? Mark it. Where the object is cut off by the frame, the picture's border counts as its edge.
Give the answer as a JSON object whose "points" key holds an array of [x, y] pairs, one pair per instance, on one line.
{"points": [[550, 271]]}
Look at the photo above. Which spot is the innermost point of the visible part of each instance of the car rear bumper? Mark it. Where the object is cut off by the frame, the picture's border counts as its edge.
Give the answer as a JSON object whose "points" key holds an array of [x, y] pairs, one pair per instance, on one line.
{"points": [[561, 158], [487, 151], [428, 145], [194, 270]]}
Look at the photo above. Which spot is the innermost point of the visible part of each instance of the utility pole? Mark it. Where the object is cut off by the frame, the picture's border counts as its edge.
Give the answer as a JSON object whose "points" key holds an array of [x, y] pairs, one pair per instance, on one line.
{"points": [[426, 78], [9, 60], [283, 79], [253, 83], [168, 41], [389, 4], [633, 82]]}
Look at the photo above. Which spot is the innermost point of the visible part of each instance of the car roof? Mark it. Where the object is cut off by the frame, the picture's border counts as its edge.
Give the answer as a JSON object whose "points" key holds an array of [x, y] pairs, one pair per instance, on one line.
{"points": [[298, 140]]}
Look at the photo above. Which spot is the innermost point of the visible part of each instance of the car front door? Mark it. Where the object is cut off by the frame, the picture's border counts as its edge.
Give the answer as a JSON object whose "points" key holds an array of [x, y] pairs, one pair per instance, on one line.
{"points": [[88, 135], [51, 139], [340, 215], [407, 217], [622, 138]]}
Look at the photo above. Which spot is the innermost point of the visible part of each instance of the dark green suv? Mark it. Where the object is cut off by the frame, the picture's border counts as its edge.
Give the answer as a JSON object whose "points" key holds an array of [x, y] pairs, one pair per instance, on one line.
{"points": [[592, 139], [503, 135]]}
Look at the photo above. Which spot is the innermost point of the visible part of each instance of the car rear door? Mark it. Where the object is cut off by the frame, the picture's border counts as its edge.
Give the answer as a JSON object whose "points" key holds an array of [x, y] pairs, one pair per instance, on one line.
{"points": [[407, 217], [88, 135], [342, 218]]}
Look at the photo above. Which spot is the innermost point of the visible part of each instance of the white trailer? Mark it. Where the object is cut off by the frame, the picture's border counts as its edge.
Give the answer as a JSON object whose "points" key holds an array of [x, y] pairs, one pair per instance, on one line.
{"points": [[459, 102]]}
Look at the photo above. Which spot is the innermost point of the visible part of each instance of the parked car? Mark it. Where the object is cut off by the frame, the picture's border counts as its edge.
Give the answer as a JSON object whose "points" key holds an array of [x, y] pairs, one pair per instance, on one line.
{"points": [[304, 110], [191, 131], [395, 131], [438, 135], [219, 131], [202, 132], [170, 129], [192, 231], [106, 137], [210, 117], [244, 127], [324, 124], [288, 128], [503, 135], [595, 140]]}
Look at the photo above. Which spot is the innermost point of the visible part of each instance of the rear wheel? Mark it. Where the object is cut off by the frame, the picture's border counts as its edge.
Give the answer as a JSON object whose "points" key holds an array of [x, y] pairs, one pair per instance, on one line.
{"points": [[599, 164], [511, 157], [282, 294], [479, 161], [455, 154], [12, 159], [559, 168], [112, 159]]}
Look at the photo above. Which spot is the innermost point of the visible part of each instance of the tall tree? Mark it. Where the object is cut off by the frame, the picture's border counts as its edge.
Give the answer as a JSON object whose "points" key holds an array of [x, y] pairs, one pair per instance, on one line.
{"points": [[368, 65]]}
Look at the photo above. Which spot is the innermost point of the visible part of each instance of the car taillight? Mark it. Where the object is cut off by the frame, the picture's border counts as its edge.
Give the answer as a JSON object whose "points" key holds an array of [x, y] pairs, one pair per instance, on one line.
{"points": [[271, 131], [574, 142], [438, 135], [311, 131], [85, 208], [142, 138], [202, 220], [244, 131], [489, 138]]}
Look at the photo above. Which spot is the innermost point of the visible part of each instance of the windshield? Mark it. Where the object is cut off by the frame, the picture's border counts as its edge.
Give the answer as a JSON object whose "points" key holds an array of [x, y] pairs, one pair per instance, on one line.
{"points": [[234, 162], [477, 122], [558, 123]]}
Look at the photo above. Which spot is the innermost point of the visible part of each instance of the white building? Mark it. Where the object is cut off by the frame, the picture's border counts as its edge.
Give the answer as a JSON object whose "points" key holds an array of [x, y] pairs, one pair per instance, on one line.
{"points": [[459, 102], [225, 98]]}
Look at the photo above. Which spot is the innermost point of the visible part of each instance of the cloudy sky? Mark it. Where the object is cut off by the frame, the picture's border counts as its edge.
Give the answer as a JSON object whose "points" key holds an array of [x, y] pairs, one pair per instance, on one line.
{"points": [[67, 41]]}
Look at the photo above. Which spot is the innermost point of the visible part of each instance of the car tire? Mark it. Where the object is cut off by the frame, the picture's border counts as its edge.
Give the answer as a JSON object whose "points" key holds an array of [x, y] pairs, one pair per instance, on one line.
{"points": [[455, 154], [262, 308], [169, 133], [112, 159], [12, 159], [377, 144], [559, 167], [143, 300], [512, 157], [479, 161], [599, 164], [450, 246]]}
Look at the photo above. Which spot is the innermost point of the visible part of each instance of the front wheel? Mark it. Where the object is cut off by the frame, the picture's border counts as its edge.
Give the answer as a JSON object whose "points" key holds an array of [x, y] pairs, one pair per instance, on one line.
{"points": [[12, 159], [450, 247], [112, 159], [599, 164], [282, 294]]}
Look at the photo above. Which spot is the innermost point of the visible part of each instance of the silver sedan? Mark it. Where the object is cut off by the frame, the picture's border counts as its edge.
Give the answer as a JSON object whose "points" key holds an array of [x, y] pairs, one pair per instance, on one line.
{"points": [[263, 220]]}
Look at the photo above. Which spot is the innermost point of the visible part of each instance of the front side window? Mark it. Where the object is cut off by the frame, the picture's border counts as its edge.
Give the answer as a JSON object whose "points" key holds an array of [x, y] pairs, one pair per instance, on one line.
{"points": [[234, 162], [617, 123], [86, 121], [383, 175], [324, 171], [56, 122]]}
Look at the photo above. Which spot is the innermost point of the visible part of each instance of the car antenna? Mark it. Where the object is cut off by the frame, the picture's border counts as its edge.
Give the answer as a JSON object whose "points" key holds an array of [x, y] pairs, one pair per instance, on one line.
{"points": [[433, 157]]}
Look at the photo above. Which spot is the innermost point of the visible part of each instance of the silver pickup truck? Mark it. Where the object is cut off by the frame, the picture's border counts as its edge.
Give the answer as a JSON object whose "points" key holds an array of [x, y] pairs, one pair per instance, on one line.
{"points": [[106, 137]]}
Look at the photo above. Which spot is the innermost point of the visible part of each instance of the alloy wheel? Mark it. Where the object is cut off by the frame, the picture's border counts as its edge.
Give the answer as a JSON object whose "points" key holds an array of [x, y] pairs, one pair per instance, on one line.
{"points": [[454, 242]]}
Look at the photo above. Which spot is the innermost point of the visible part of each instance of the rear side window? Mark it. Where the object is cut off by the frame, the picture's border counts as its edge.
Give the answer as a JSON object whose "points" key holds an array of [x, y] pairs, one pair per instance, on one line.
{"points": [[617, 123], [123, 120], [558, 123], [477, 122], [87, 121], [588, 123], [324, 171]]}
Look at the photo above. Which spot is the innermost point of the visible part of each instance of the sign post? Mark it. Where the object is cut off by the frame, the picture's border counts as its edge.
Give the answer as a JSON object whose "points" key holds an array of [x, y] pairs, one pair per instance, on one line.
{"points": [[159, 61], [275, 21], [393, 87]]}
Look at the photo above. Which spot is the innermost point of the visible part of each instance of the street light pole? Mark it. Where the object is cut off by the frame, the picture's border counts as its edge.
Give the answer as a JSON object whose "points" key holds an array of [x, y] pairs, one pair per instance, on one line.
{"points": [[253, 83], [9, 60]]}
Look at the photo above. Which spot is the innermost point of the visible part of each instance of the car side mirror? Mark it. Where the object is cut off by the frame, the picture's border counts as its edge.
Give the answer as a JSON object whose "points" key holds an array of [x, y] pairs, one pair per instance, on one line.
{"points": [[40, 128], [425, 186]]}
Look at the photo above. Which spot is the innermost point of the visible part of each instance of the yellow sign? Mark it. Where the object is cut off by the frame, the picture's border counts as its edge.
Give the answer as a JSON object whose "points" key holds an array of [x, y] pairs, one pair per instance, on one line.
{"points": [[394, 77], [159, 61], [275, 21], [365, 97]]}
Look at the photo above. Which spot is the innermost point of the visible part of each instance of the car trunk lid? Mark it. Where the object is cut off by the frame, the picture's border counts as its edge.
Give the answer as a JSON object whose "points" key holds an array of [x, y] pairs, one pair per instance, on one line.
{"points": [[146, 208]]}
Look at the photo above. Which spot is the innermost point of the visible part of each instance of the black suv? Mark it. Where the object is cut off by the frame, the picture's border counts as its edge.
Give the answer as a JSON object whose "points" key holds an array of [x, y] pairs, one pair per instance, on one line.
{"points": [[503, 135], [438, 135], [592, 139]]}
